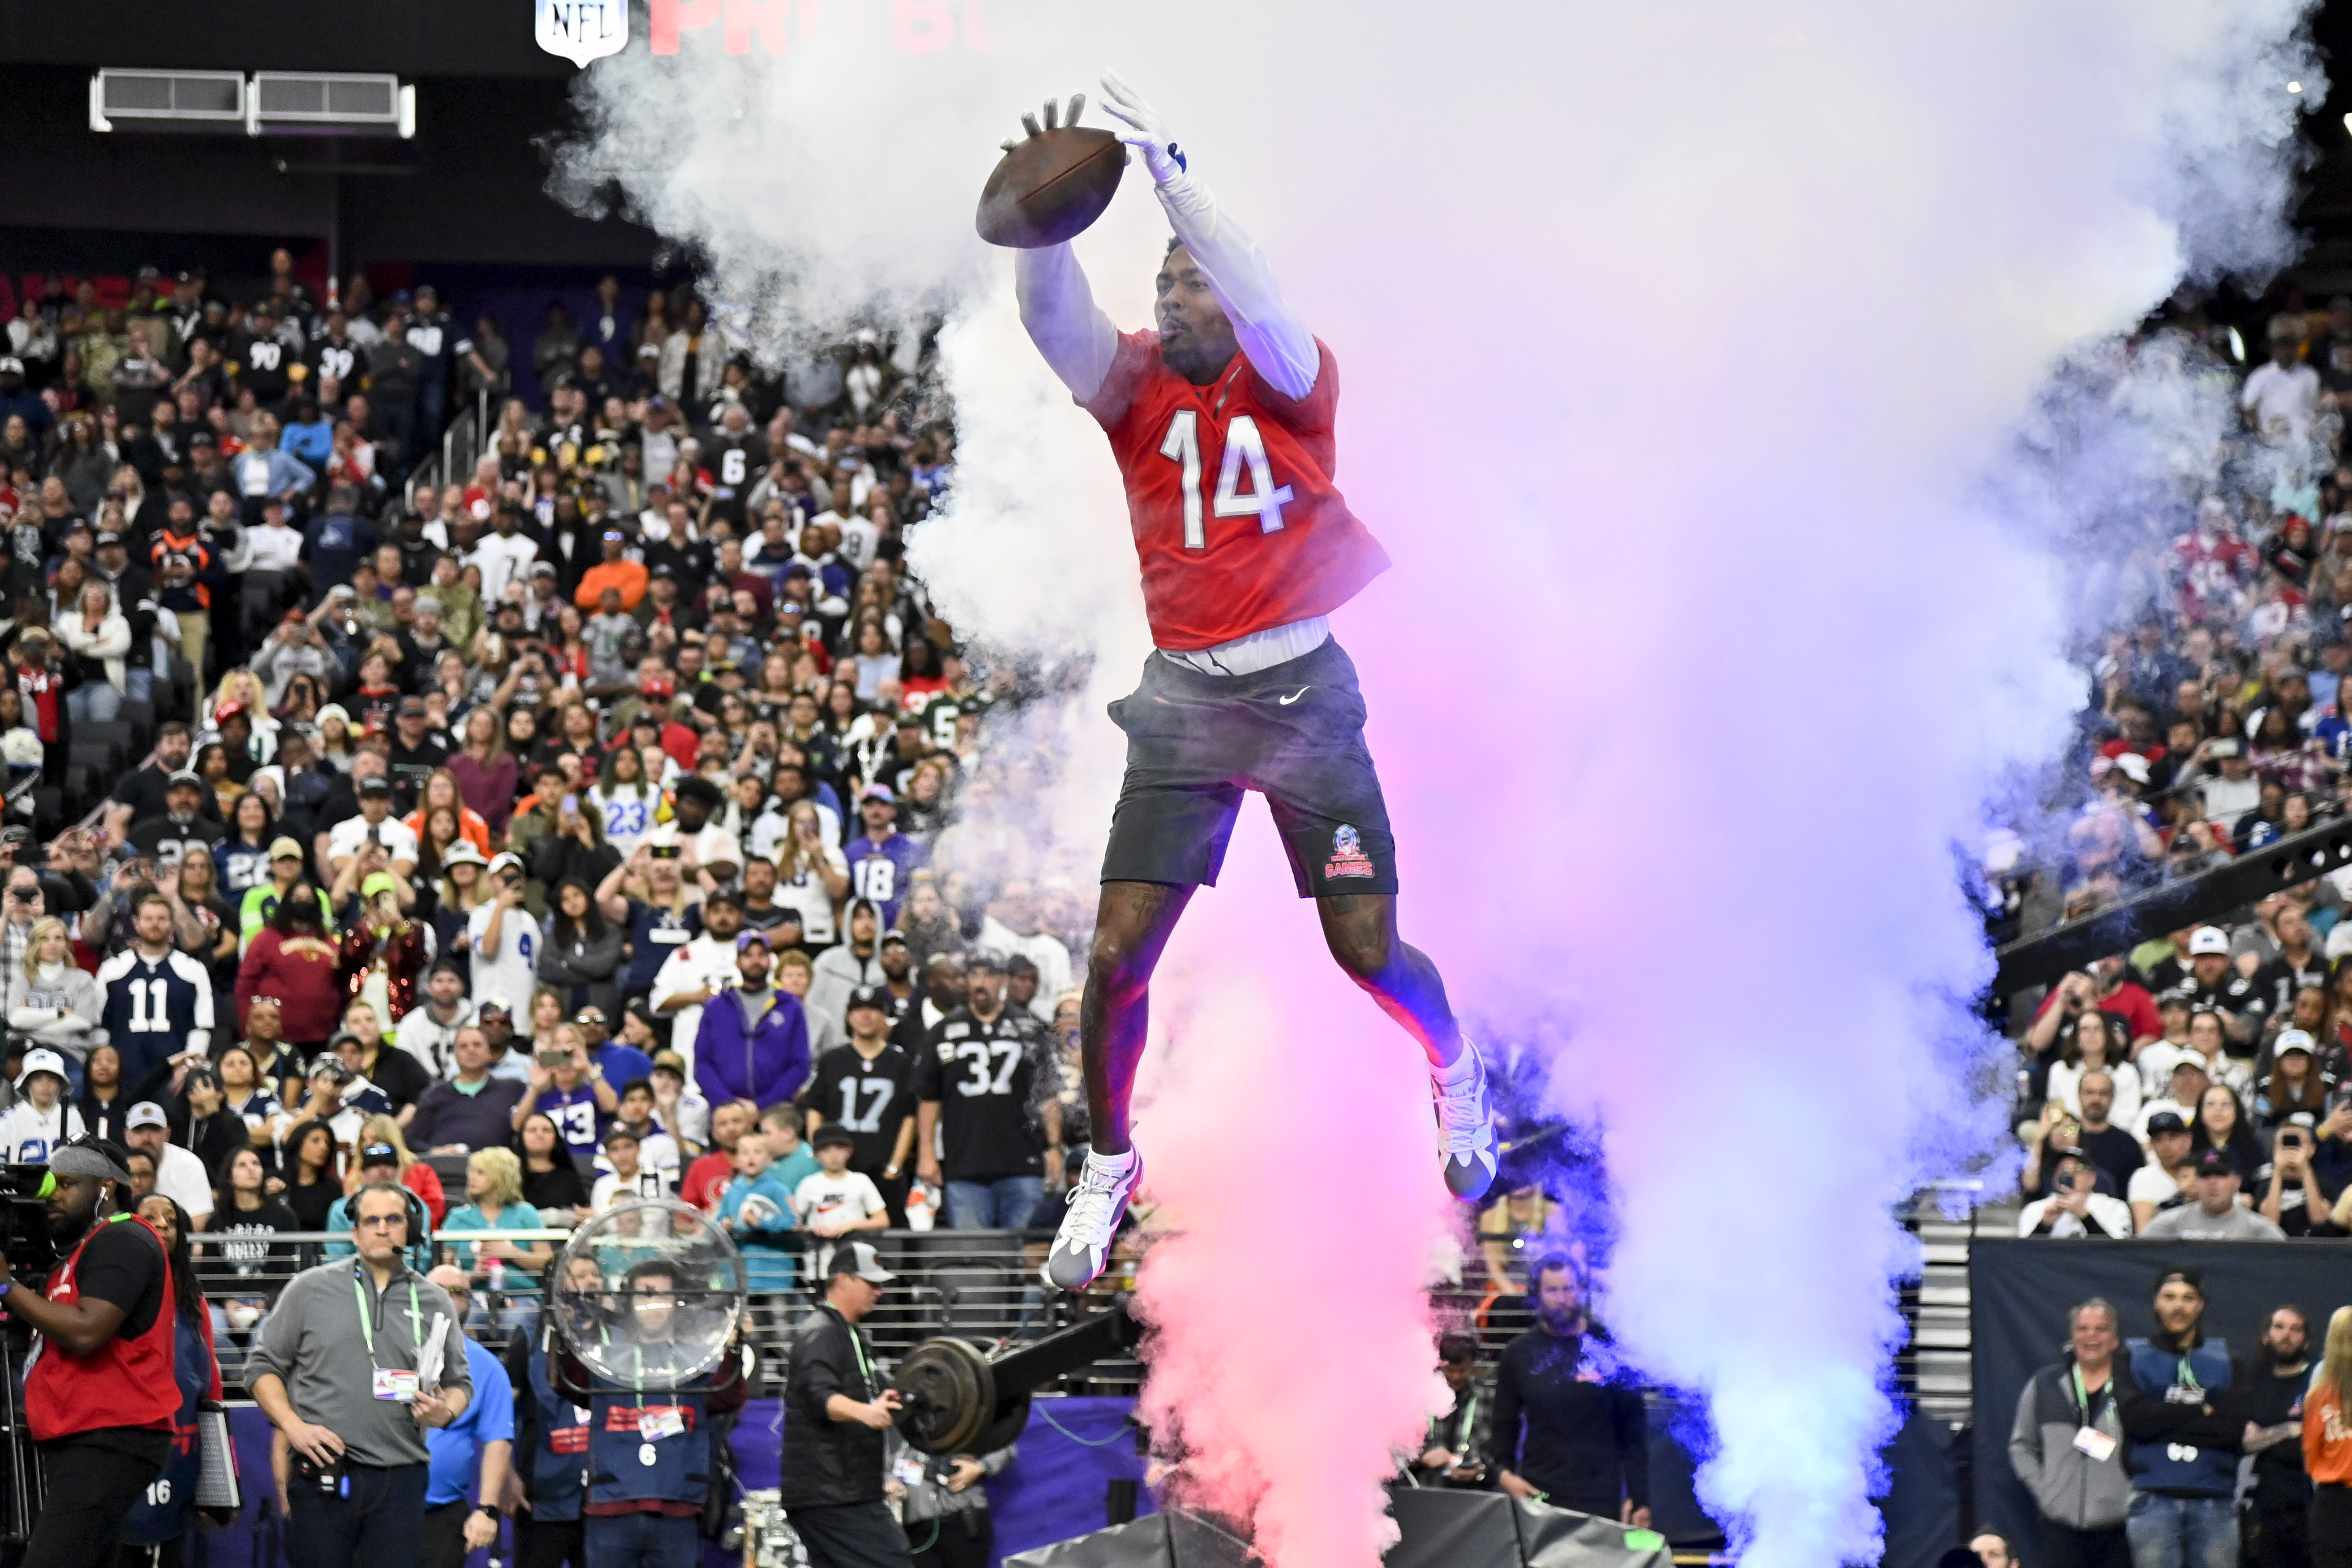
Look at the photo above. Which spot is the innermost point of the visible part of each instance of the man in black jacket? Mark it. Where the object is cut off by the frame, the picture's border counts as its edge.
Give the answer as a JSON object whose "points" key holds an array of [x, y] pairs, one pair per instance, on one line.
{"points": [[1563, 1433], [836, 1413]]}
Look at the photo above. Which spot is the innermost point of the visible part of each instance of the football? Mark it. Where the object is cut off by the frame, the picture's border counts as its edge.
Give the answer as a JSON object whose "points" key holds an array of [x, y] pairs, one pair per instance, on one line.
{"points": [[1050, 186]]}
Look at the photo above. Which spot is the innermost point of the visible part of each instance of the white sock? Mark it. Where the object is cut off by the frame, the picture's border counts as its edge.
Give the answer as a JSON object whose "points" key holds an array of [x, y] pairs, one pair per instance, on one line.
{"points": [[1463, 1068], [1122, 1163]]}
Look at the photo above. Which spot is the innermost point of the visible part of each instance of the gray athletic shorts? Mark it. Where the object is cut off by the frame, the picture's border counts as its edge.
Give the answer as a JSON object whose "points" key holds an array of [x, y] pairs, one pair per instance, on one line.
{"points": [[1294, 733]]}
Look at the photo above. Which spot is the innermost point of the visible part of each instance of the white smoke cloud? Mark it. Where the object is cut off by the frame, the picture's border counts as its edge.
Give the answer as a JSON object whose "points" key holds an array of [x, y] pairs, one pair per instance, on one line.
{"points": [[1684, 347]]}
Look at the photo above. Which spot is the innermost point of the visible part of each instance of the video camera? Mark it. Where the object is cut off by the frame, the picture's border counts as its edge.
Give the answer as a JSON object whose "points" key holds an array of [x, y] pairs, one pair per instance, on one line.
{"points": [[25, 1235]]}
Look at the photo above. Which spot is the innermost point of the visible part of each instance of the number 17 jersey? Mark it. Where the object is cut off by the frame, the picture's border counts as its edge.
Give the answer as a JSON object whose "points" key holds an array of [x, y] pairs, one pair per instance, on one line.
{"points": [[1239, 526]]}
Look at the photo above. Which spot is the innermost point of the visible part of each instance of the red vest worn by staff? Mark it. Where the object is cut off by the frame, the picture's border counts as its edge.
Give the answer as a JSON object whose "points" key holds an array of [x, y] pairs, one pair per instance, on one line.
{"points": [[125, 1382], [1238, 523]]}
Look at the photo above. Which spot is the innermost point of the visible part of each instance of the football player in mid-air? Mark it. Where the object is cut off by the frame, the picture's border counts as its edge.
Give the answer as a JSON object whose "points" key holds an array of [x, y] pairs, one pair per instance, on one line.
{"points": [[1221, 420]]}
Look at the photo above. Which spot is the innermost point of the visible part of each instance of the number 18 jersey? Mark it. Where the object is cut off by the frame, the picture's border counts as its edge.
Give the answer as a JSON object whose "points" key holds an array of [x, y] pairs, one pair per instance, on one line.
{"points": [[1238, 523]]}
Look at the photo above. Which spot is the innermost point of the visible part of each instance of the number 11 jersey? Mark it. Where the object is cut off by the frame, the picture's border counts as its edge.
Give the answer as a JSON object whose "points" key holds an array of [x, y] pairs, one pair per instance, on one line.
{"points": [[1239, 526], [152, 1007]]}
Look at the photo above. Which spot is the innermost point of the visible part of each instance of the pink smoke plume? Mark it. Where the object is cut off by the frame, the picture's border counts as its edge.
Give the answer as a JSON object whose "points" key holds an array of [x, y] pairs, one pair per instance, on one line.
{"points": [[1287, 1133], [1677, 342]]}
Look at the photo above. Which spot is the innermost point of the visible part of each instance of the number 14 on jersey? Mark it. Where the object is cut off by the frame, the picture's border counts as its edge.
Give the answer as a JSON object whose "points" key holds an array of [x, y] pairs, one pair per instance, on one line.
{"points": [[1243, 445]]}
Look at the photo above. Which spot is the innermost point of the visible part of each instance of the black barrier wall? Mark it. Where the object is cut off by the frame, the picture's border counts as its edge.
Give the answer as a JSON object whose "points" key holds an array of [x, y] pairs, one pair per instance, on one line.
{"points": [[2020, 1292]]}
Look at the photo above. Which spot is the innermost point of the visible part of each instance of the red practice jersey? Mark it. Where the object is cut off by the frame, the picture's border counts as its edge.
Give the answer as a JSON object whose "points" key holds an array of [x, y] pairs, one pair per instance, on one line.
{"points": [[1238, 524]]}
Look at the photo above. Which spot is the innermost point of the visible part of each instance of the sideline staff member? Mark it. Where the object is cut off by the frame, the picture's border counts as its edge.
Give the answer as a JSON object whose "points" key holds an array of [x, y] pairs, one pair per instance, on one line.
{"points": [[836, 1413], [335, 1370], [99, 1397]]}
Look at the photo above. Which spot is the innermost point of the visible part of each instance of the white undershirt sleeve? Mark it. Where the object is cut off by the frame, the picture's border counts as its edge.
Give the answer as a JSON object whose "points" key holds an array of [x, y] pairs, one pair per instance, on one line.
{"points": [[1059, 310], [1276, 341]]}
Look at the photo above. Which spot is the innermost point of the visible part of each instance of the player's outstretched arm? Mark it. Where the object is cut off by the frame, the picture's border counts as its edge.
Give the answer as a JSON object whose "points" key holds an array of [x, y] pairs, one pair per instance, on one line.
{"points": [[1276, 341], [1057, 306]]}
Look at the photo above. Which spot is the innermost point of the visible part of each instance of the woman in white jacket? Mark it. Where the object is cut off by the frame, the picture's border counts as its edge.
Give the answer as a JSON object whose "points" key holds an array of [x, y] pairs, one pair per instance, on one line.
{"points": [[52, 999], [96, 634]]}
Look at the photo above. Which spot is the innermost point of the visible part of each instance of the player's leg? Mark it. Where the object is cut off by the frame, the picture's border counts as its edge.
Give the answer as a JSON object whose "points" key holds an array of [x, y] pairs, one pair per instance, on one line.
{"points": [[1176, 813], [1132, 925], [1325, 795], [1360, 929]]}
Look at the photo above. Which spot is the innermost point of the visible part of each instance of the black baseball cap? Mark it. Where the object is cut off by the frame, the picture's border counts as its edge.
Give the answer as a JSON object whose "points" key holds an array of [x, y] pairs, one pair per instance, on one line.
{"points": [[2165, 1121], [831, 1134], [868, 996], [375, 785], [2214, 1163], [379, 1154]]}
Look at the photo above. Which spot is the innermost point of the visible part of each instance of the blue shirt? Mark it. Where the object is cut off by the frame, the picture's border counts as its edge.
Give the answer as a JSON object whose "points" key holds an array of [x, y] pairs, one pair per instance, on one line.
{"points": [[766, 1265], [152, 1008], [451, 1450], [333, 544], [574, 1111], [517, 1216], [621, 1063], [879, 872], [242, 866]]}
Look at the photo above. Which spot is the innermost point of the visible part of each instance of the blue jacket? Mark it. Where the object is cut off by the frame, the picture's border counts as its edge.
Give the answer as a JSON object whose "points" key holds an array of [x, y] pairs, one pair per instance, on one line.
{"points": [[2176, 1447], [767, 1264], [314, 444], [558, 1464], [765, 1063]]}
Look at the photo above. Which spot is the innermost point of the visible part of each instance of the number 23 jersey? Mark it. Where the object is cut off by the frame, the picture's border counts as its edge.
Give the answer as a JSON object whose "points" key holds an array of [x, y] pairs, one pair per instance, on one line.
{"points": [[1238, 523]]}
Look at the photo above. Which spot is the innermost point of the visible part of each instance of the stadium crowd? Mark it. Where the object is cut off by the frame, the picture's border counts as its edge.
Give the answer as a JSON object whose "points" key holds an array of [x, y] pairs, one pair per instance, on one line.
{"points": [[614, 819], [582, 824]]}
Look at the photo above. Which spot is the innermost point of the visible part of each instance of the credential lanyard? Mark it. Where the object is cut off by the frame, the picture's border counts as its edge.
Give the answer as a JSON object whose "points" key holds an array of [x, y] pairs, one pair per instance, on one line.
{"points": [[2188, 1376], [367, 1328], [2083, 1397], [857, 1349]]}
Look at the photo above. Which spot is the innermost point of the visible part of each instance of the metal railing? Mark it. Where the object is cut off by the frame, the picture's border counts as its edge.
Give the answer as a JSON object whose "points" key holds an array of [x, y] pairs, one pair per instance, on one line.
{"points": [[462, 443], [976, 1285]]}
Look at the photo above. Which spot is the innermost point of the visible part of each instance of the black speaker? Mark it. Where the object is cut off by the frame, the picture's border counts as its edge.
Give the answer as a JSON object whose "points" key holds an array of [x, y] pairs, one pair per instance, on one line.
{"points": [[1440, 1529]]}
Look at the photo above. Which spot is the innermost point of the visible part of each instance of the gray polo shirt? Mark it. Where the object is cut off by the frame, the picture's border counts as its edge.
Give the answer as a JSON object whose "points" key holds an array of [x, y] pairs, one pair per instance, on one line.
{"points": [[314, 1341]]}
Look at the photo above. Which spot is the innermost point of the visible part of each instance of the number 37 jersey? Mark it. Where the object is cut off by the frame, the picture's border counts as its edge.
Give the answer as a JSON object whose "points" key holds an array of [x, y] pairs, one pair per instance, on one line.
{"points": [[1238, 523]]}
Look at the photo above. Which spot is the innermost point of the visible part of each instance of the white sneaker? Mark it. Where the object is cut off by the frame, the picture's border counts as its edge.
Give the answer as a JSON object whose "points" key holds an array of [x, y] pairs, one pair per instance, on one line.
{"points": [[1466, 1129], [1082, 1246]]}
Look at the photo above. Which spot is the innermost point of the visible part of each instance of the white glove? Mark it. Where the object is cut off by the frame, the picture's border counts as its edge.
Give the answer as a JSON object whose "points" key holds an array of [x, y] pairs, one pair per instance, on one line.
{"points": [[1147, 131], [1029, 121]]}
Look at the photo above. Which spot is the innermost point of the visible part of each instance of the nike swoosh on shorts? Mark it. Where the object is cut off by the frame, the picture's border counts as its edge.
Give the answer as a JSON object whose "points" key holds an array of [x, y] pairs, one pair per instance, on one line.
{"points": [[1286, 701]]}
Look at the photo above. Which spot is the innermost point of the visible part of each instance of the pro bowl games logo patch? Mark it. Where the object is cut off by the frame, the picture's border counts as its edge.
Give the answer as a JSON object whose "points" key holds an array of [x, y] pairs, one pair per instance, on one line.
{"points": [[1346, 856], [583, 30]]}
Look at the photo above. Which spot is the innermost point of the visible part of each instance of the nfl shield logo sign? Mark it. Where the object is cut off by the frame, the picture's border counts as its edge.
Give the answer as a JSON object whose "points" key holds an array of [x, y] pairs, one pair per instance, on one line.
{"points": [[583, 30]]}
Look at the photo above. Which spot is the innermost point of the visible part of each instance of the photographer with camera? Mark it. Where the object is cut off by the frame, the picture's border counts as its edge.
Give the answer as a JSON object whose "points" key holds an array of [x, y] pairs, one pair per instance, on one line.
{"points": [[339, 1370], [100, 1396], [2296, 1196]]}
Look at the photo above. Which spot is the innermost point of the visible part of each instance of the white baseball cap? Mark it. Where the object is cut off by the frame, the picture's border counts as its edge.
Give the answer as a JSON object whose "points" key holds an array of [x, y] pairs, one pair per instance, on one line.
{"points": [[858, 1257], [2208, 938], [146, 1113]]}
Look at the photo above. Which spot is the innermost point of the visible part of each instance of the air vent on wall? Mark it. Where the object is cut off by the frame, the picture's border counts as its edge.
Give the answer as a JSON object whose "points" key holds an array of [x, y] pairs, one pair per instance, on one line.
{"points": [[283, 101], [188, 97]]}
